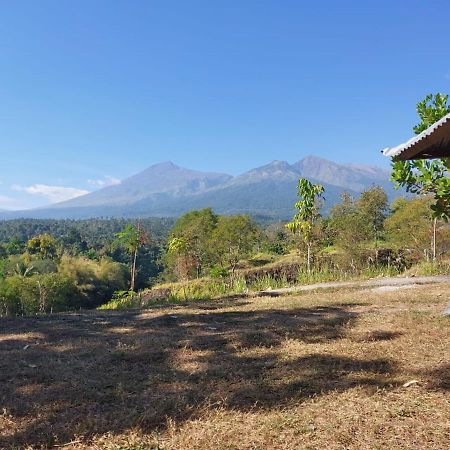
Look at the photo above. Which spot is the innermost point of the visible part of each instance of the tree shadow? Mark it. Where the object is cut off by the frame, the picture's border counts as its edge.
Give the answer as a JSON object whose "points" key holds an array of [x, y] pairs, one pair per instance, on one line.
{"points": [[440, 377], [93, 373], [377, 336]]}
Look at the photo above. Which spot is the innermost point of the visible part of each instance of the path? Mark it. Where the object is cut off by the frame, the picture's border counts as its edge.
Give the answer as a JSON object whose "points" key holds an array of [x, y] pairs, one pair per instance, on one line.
{"points": [[378, 282]]}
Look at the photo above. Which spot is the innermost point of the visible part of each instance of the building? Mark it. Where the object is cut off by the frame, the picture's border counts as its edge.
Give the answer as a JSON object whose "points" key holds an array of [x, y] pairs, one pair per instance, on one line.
{"points": [[434, 142]]}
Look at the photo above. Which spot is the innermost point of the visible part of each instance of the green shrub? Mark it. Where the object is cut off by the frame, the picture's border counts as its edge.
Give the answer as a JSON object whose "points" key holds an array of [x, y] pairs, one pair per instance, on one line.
{"points": [[35, 294], [122, 300], [219, 272], [95, 281]]}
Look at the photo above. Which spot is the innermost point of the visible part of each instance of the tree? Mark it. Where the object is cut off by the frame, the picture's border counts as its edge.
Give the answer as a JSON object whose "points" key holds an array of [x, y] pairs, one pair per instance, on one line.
{"points": [[428, 176], [307, 213], [347, 226], [195, 228], [179, 248], [408, 227], [15, 246], [233, 239], [373, 205], [44, 246], [132, 238]]}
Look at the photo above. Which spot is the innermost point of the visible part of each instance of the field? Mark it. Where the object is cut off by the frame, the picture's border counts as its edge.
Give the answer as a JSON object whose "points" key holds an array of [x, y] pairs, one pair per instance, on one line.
{"points": [[338, 369]]}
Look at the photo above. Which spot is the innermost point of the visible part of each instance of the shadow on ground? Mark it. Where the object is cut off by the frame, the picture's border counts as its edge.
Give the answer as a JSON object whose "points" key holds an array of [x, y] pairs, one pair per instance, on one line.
{"points": [[90, 373]]}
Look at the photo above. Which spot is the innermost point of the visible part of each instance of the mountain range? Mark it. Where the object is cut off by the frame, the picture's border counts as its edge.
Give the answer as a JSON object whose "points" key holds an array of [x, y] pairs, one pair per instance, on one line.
{"points": [[167, 190]]}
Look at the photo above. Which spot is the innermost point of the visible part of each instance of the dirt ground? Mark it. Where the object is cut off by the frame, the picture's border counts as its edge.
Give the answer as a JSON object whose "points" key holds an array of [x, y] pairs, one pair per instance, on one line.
{"points": [[343, 369]]}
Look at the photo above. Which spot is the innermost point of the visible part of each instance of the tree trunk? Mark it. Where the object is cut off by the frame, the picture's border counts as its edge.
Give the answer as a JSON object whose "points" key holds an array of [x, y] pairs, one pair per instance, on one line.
{"points": [[308, 260], [434, 238], [133, 271]]}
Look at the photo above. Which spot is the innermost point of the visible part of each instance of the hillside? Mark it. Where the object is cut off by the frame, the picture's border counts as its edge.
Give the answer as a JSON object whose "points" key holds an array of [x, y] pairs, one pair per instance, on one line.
{"points": [[167, 190]]}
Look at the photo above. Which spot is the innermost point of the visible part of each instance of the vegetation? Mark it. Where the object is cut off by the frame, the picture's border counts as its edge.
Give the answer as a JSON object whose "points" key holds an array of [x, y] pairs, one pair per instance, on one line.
{"points": [[132, 238], [49, 265], [307, 213], [80, 266], [205, 255], [428, 177], [201, 241]]}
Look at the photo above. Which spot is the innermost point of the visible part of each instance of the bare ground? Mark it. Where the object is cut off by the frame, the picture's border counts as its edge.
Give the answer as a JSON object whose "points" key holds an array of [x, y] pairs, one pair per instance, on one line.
{"points": [[313, 371]]}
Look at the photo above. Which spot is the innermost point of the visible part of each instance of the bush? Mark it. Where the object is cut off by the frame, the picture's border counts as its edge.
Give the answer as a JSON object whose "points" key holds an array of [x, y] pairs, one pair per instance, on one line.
{"points": [[35, 294], [95, 281], [219, 272]]}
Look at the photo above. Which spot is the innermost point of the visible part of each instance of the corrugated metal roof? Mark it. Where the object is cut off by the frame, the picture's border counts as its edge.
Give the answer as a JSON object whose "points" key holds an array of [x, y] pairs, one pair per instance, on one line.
{"points": [[433, 142]]}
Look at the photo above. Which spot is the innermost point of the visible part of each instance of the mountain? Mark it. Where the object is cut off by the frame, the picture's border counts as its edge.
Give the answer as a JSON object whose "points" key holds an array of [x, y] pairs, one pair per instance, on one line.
{"points": [[167, 190], [160, 179], [347, 176]]}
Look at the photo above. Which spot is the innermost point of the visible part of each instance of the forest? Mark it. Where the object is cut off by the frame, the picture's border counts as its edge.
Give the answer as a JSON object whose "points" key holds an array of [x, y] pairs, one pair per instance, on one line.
{"points": [[62, 265]]}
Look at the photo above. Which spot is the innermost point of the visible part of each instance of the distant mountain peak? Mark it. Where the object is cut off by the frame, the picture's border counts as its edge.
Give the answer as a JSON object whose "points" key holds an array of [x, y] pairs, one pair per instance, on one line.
{"points": [[315, 158], [277, 164], [349, 176], [165, 165]]}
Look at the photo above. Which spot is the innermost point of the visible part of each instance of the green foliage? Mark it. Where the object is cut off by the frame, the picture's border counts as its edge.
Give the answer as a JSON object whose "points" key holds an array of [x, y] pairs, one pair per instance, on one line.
{"points": [[307, 212], [179, 245], [122, 300], [97, 234], [307, 208], [95, 282], [201, 240], [347, 226], [372, 205], [14, 246], [234, 238], [189, 241], [277, 239], [132, 238], [43, 246], [219, 272], [354, 223], [36, 293], [425, 176], [430, 110], [410, 226]]}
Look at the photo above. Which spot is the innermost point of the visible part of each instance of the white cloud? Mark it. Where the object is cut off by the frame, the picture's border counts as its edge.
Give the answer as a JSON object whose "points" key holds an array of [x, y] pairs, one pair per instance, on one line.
{"points": [[52, 193], [105, 181]]}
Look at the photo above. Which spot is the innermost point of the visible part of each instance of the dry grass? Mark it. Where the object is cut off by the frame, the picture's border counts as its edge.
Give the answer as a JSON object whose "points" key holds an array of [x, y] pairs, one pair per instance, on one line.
{"points": [[315, 371]]}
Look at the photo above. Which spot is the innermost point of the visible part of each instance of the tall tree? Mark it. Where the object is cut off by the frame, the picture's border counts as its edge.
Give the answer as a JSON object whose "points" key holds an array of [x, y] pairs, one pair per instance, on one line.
{"points": [[428, 176], [307, 213], [132, 238]]}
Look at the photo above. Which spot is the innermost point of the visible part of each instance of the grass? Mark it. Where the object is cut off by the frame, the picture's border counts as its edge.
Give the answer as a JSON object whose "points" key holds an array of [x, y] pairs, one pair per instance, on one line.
{"points": [[216, 288], [312, 371], [430, 268]]}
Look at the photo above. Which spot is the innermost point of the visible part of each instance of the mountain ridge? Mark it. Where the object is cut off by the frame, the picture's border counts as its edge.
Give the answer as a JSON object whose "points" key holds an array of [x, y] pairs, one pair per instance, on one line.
{"points": [[166, 189]]}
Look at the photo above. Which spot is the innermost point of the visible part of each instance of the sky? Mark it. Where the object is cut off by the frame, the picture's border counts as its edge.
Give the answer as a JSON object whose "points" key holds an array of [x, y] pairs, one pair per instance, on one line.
{"points": [[93, 91]]}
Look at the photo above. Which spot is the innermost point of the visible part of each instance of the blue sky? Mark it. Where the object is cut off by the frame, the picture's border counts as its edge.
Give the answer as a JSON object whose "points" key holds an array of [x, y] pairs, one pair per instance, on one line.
{"points": [[92, 91]]}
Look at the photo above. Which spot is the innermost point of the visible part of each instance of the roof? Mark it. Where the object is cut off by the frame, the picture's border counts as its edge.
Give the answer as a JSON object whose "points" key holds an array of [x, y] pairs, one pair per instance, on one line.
{"points": [[434, 142]]}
